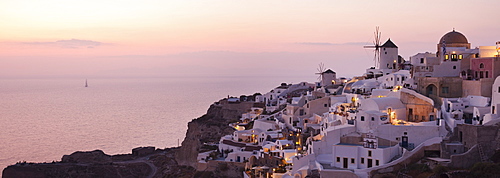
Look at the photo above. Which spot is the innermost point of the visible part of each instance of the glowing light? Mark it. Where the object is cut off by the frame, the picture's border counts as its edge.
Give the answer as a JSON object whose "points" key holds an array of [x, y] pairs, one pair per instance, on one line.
{"points": [[396, 88]]}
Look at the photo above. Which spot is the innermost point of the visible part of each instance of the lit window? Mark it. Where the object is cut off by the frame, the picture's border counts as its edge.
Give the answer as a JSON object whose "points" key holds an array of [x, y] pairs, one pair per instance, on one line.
{"points": [[446, 56], [460, 56], [454, 57]]}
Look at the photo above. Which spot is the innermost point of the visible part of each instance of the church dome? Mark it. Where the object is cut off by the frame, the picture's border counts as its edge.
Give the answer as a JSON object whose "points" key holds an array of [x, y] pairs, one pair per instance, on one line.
{"points": [[453, 37]]}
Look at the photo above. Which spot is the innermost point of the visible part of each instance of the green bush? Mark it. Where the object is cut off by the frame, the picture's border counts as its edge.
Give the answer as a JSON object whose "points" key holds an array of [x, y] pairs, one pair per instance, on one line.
{"points": [[485, 169], [440, 169]]}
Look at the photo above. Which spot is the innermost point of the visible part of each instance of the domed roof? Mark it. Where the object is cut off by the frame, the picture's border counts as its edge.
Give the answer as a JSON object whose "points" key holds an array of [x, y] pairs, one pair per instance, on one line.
{"points": [[453, 37]]}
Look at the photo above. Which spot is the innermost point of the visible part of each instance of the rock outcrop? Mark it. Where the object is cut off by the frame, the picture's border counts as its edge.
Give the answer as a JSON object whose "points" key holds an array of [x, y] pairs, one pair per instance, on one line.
{"points": [[209, 128], [88, 157], [161, 163]]}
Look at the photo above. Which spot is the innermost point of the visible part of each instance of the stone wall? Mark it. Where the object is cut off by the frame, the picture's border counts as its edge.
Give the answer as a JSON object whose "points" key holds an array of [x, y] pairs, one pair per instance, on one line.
{"points": [[466, 159], [420, 109], [477, 87]]}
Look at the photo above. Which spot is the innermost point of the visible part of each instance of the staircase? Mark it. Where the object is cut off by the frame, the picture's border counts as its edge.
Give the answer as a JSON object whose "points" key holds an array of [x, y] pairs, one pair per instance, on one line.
{"points": [[481, 153]]}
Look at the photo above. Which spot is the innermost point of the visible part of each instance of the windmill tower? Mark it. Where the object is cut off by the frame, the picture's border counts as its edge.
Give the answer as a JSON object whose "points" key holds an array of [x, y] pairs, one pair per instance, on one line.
{"points": [[385, 55], [388, 55], [326, 77]]}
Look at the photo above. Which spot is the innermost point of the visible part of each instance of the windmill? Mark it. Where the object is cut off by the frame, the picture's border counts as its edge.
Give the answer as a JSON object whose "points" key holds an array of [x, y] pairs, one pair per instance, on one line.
{"points": [[376, 45], [321, 70]]}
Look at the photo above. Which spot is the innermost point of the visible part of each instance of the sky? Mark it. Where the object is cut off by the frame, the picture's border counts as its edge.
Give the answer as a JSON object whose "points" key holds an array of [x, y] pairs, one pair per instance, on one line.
{"points": [[124, 38]]}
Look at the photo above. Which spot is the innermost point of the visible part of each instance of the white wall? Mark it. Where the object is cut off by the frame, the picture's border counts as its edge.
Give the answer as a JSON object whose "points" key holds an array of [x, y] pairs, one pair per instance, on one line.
{"points": [[383, 155], [387, 60], [416, 134], [446, 69]]}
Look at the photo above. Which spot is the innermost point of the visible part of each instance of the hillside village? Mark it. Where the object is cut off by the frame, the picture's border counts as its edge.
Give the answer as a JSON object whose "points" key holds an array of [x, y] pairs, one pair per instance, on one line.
{"points": [[434, 108]]}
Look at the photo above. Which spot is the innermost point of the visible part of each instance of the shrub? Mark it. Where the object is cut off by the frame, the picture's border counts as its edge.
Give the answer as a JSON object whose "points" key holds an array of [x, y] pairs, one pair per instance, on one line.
{"points": [[485, 169], [440, 169]]}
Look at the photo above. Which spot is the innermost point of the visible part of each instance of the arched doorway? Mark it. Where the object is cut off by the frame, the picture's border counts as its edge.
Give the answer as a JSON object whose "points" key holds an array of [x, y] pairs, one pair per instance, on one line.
{"points": [[431, 89]]}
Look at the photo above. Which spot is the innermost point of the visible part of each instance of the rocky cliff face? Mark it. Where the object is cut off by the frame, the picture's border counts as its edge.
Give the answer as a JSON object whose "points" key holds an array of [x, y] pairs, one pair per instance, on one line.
{"points": [[209, 129]]}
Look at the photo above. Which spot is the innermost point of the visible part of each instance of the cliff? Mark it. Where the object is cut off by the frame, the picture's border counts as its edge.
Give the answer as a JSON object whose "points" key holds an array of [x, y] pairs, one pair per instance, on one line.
{"points": [[210, 128]]}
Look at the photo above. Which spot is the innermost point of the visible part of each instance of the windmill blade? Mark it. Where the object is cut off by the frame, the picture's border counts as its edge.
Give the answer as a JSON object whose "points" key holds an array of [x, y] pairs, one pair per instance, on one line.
{"points": [[321, 70], [321, 67]]}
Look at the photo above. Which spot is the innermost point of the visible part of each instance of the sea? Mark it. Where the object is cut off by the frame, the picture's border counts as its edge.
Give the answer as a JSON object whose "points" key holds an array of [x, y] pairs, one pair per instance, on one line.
{"points": [[42, 119]]}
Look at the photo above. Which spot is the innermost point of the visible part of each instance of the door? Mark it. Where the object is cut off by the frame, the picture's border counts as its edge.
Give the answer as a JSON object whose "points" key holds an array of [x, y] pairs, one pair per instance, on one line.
{"points": [[370, 163], [345, 163], [410, 114]]}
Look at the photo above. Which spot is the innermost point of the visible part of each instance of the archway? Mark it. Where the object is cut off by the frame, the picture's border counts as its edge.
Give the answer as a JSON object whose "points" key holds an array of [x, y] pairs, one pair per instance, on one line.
{"points": [[431, 89]]}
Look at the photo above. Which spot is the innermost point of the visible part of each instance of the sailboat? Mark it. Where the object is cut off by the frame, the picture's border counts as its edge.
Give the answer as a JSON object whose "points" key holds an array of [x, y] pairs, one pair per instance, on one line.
{"points": [[86, 85]]}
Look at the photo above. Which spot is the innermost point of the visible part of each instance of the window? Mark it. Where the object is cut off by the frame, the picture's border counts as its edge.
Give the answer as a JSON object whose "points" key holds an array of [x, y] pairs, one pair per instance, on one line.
{"points": [[454, 67], [460, 56], [370, 153], [453, 57], [485, 74], [376, 162], [362, 118], [362, 160], [326, 105], [481, 74], [352, 160], [338, 159], [373, 118], [481, 66], [446, 57], [445, 90], [421, 60]]}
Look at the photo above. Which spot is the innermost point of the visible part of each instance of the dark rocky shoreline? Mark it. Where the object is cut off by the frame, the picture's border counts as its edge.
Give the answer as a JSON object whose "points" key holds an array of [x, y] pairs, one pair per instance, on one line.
{"points": [[147, 161]]}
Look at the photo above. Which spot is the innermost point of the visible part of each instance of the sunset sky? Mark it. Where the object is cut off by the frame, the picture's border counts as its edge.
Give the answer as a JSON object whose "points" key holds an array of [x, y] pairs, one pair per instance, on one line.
{"points": [[112, 38]]}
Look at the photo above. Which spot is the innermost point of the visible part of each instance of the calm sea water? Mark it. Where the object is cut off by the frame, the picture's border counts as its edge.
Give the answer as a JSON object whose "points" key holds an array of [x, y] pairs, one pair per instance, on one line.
{"points": [[43, 119]]}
